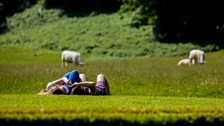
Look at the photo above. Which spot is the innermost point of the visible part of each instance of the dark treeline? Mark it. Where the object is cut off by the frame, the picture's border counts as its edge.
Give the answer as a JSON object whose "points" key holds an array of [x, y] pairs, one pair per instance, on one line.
{"points": [[188, 20], [84, 5], [71, 7], [199, 21], [9, 7]]}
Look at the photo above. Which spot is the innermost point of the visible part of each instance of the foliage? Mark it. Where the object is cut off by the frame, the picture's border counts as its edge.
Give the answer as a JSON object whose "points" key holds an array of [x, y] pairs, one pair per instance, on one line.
{"points": [[173, 21], [102, 34], [9, 7], [176, 21], [84, 5], [143, 12]]}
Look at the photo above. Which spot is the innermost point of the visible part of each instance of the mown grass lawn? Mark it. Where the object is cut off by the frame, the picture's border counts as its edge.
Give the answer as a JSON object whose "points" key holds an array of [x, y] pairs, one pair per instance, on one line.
{"points": [[132, 110]]}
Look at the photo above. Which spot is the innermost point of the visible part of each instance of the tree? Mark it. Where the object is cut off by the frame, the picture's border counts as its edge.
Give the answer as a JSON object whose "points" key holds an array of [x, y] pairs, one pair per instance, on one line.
{"points": [[180, 20], [9, 7], [190, 20]]}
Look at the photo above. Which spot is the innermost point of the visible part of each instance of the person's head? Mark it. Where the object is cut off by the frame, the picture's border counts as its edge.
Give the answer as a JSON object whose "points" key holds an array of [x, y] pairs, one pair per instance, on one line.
{"points": [[59, 90]]}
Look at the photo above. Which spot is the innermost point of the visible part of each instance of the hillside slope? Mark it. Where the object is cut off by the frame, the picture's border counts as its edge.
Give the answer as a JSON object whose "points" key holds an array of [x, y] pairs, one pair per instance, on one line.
{"points": [[95, 34]]}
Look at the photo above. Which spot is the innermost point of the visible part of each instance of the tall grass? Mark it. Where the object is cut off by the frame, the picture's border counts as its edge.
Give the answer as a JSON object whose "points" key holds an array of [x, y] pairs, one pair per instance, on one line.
{"points": [[137, 88], [149, 76]]}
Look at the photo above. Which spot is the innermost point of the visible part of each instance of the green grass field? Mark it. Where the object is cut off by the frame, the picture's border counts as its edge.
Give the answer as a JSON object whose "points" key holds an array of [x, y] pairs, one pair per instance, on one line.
{"points": [[144, 91], [147, 87], [133, 110]]}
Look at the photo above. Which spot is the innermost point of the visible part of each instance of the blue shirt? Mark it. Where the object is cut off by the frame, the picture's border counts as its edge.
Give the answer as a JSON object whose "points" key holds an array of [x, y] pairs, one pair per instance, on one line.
{"points": [[72, 76]]}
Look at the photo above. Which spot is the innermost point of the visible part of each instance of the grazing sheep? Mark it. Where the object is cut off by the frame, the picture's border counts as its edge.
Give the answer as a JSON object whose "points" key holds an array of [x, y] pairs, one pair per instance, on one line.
{"points": [[184, 62], [197, 57], [70, 57]]}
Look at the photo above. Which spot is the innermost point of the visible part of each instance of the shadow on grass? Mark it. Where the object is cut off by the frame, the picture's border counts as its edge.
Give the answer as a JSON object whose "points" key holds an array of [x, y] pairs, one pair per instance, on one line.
{"points": [[201, 121]]}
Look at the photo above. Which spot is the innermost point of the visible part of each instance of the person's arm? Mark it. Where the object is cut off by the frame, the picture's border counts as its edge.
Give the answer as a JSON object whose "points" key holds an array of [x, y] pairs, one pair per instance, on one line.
{"points": [[67, 81], [85, 83], [55, 83]]}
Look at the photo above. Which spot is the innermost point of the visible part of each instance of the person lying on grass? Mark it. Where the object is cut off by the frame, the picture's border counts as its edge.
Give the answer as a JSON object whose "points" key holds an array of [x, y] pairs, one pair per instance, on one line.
{"points": [[75, 83]]}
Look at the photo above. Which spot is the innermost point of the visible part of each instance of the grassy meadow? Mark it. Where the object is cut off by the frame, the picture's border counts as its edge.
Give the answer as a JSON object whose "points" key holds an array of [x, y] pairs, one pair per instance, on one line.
{"points": [[147, 87], [95, 34], [145, 90], [152, 76]]}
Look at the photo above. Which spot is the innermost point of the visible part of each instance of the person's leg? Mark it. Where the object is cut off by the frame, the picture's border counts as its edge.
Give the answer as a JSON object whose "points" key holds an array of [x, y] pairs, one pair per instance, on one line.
{"points": [[54, 83], [79, 90], [85, 90], [82, 77], [69, 79], [102, 85], [67, 89], [74, 76]]}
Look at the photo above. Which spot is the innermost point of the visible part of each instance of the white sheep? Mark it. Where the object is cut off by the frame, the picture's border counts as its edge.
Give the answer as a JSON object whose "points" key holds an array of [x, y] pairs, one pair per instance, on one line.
{"points": [[70, 57], [184, 62], [197, 56]]}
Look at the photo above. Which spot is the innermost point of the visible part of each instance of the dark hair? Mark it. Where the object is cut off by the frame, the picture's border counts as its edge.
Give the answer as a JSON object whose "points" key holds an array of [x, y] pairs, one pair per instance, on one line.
{"points": [[57, 91], [81, 90]]}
